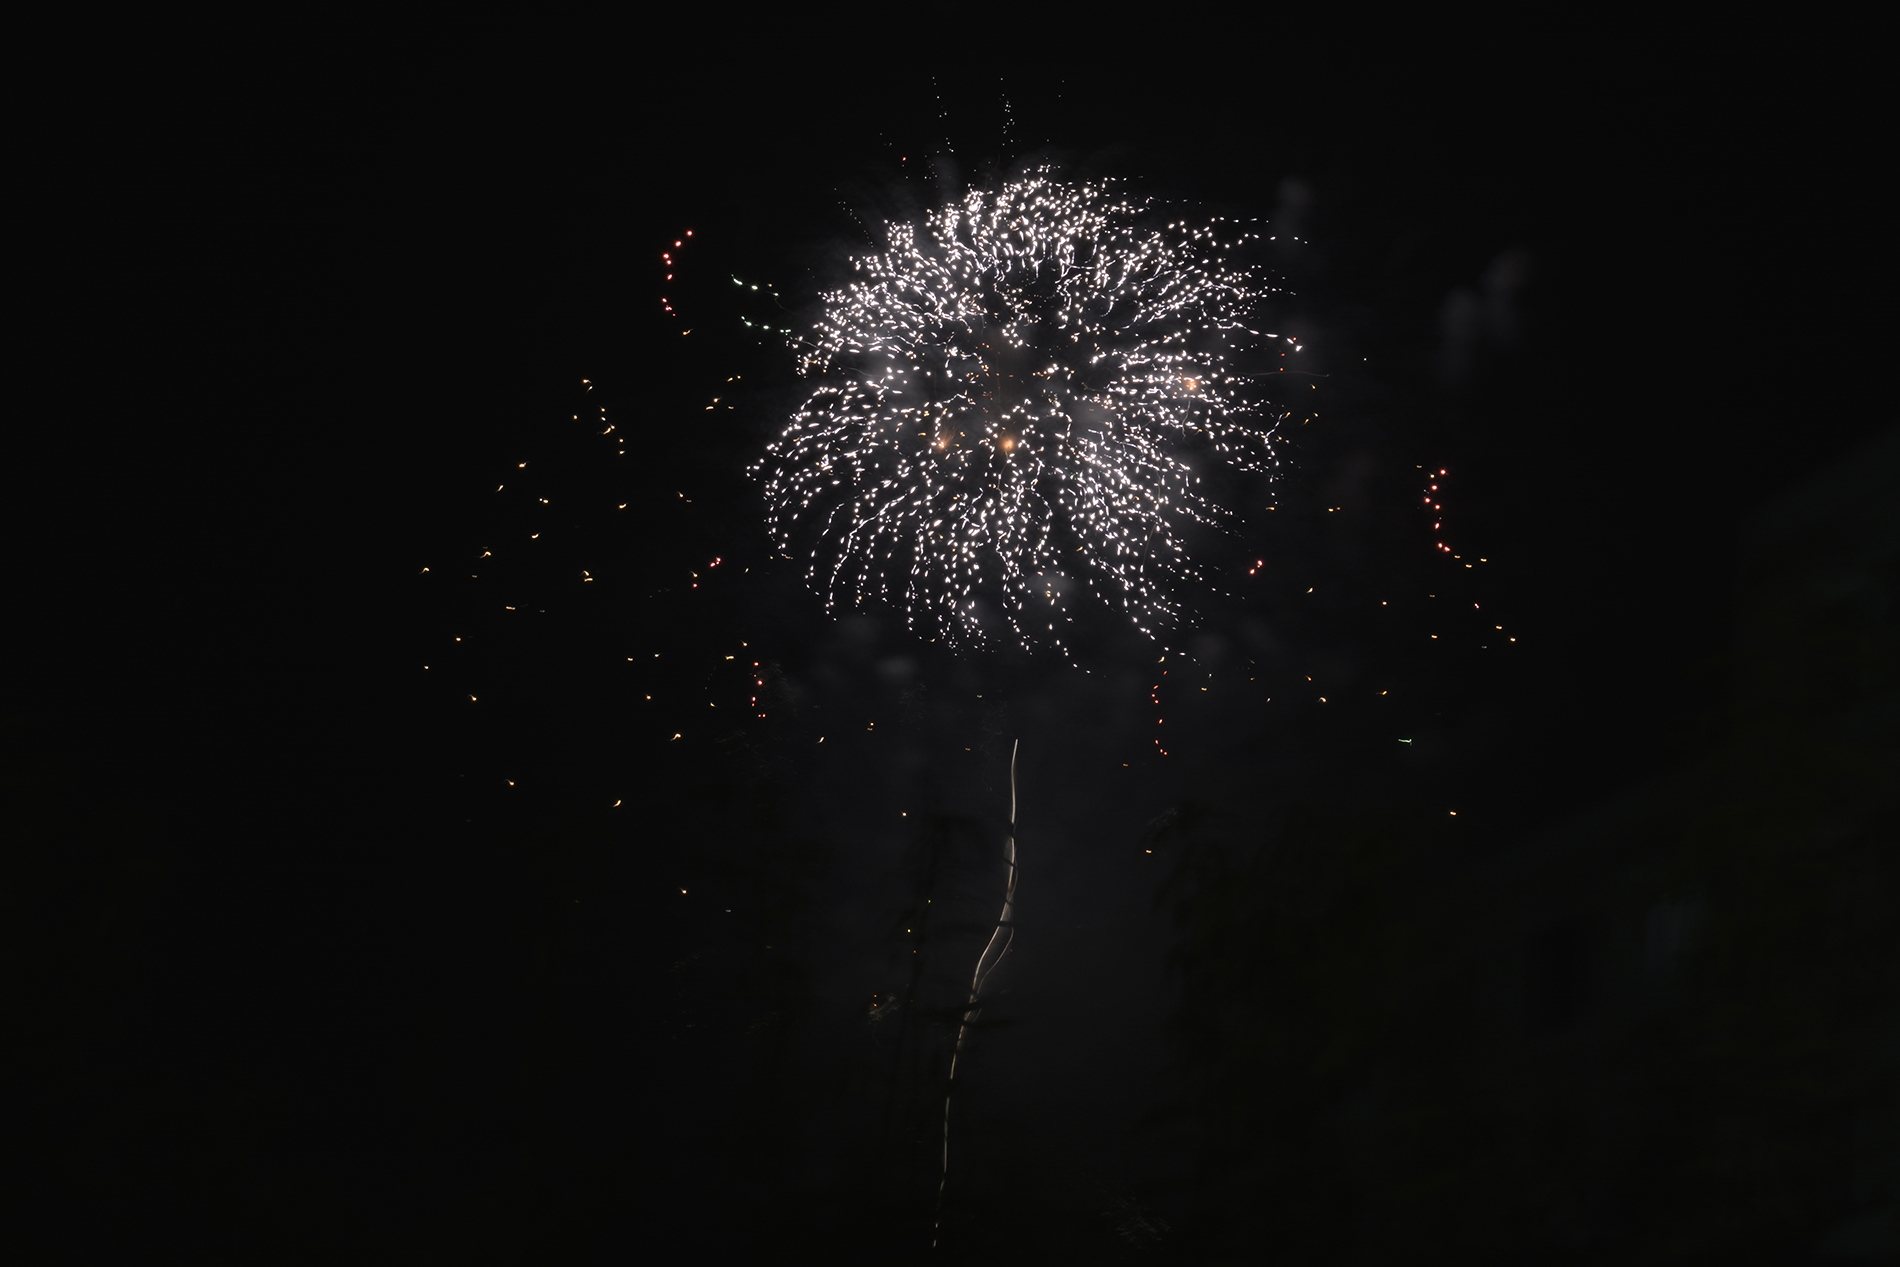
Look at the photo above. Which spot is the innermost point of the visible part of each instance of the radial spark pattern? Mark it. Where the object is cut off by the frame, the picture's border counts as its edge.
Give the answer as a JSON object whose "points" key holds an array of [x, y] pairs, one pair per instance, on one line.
{"points": [[1016, 407]]}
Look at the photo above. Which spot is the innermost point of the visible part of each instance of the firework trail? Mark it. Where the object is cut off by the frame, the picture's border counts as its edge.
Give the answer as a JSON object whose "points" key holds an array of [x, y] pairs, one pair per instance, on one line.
{"points": [[985, 964], [1018, 404]]}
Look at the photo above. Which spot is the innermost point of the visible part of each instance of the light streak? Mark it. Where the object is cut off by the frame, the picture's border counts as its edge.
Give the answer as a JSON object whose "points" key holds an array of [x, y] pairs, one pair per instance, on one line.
{"points": [[1434, 505], [668, 263], [985, 964], [1013, 411]]}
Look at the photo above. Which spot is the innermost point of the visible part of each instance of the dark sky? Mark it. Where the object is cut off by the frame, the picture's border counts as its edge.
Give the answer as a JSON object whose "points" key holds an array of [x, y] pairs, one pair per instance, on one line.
{"points": [[349, 966]]}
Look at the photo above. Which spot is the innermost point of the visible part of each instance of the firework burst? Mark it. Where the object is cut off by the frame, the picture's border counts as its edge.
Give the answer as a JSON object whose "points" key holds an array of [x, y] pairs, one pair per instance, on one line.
{"points": [[1014, 409]]}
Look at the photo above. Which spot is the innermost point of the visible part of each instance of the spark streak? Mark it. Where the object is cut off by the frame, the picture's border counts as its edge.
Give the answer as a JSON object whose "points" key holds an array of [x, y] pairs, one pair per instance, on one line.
{"points": [[985, 964]]}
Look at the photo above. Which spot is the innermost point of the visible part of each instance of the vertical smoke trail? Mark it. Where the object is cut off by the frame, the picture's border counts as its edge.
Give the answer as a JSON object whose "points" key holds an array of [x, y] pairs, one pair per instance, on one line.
{"points": [[985, 964]]}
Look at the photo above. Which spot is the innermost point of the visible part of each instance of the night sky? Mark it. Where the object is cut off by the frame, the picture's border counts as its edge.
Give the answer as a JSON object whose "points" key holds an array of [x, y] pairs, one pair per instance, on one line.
{"points": [[452, 831]]}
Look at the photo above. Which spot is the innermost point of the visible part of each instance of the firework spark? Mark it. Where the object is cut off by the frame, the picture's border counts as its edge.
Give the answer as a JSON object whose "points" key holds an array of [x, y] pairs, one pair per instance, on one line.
{"points": [[1015, 408]]}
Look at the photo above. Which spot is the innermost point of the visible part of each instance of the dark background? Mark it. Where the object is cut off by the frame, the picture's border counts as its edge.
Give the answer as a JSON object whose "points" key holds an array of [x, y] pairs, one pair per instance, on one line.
{"points": [[298, 967]]}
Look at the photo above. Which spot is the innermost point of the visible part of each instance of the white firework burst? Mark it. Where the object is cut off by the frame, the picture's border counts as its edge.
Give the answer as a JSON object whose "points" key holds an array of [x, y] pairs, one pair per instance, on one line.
{"points": [[1017, 407]]}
